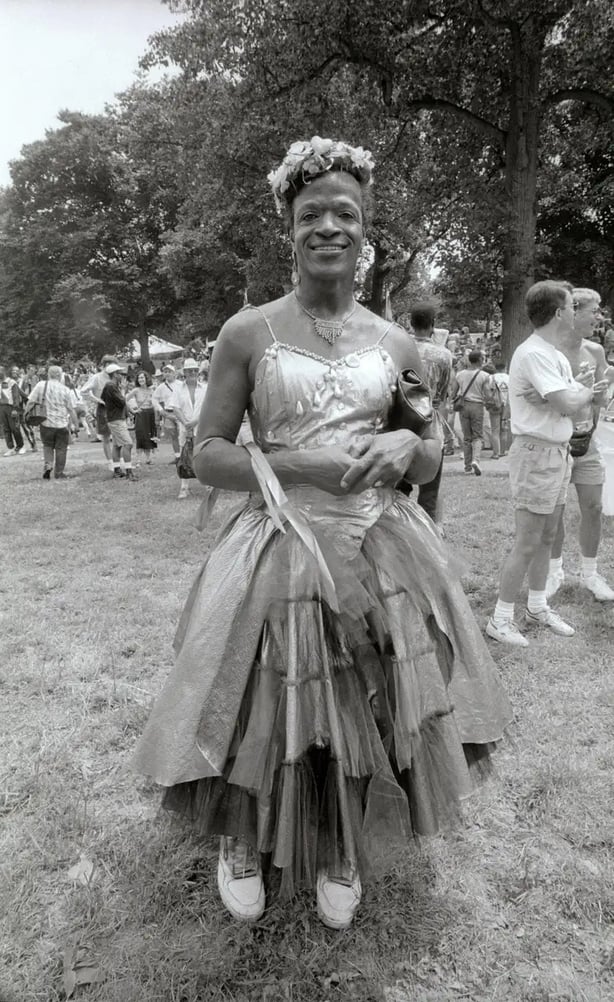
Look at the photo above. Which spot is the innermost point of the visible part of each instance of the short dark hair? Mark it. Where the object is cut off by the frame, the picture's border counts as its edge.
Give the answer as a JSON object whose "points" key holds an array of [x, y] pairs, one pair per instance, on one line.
{"points": [[500, 366], [543, 300], [422, 316], [475, 355]]}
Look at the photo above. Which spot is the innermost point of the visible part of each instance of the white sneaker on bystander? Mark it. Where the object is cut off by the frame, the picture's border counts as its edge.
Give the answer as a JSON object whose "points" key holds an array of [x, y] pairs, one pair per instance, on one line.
{"points": [[598, 587]]}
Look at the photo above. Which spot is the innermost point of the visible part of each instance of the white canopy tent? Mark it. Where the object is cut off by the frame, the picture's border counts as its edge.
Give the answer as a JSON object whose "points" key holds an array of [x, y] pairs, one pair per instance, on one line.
{"points": [[158, 348]]}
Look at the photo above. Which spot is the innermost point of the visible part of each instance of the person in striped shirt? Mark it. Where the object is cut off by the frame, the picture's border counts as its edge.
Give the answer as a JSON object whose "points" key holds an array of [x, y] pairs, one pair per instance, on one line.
{"points": [[61, 416]]}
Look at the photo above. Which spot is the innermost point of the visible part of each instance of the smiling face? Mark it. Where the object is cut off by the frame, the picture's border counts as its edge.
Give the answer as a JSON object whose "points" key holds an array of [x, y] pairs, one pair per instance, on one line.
{"points": [[327, 226], [587, 316], [141, 379]]}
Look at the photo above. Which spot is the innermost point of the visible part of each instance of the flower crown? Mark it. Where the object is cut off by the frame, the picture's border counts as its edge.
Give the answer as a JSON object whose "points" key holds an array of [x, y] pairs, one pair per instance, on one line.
{"points": [[307, 160]]}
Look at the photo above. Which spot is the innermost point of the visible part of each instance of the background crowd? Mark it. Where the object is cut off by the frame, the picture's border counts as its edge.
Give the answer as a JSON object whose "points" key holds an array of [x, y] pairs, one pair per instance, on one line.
{"points": [[87, 401], [452, 358]]}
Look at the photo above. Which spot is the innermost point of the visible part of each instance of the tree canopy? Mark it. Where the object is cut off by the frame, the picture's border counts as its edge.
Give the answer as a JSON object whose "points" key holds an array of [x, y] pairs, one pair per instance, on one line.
{"points": [[490, 124]]}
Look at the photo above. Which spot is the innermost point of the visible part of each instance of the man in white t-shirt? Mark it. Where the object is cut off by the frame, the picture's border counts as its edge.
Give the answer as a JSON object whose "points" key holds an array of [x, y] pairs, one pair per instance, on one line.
{"points": [[161, 395], [542, 395], [500, 419], [185, 403]]}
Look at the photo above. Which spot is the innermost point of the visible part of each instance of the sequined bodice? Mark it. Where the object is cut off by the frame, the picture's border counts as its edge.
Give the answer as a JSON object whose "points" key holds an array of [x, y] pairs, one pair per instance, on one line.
{"points": [[303, 401]]}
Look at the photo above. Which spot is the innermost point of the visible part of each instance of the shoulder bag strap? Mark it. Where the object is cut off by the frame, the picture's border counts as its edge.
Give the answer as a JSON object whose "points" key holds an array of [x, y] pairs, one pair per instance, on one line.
{"points": [[470, 384]]}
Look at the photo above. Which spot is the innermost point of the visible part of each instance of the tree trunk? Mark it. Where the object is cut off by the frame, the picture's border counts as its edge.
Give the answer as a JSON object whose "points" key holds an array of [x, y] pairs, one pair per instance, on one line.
{"points": [[146, 363], [521, 182], [379, 271]]}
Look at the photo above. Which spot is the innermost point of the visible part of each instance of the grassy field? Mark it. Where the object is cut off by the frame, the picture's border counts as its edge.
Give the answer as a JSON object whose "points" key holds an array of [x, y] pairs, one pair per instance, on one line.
{"points": [[97, 886]]}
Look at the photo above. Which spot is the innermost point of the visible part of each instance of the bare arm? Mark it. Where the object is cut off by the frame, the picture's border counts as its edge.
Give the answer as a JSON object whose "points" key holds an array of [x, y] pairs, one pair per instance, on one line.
{"points": [[223, 464], [604, 374], [570, 401], [158, 406], [87, 391]]}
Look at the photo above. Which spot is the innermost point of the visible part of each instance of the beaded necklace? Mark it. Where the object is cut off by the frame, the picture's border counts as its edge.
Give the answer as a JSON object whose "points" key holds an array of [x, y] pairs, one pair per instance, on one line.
{"points": [[329, 330]]}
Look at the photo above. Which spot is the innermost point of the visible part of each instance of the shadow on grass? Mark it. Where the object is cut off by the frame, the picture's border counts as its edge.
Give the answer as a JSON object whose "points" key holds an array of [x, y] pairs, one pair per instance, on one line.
{"points": [[185, 947]]}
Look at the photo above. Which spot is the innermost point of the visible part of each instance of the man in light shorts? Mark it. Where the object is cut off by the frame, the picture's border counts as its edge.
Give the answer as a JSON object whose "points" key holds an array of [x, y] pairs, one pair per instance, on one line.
{"points": [[91, 391], [115, 403], [542, 396], [588, 471], [185, 403], [168, 421]]}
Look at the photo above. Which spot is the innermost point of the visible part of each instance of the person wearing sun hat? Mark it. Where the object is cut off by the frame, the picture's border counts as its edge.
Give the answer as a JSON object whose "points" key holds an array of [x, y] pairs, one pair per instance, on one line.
{"points": [[91, 392], [332, 694], [161, 395], [185, 403], [116, 412]]}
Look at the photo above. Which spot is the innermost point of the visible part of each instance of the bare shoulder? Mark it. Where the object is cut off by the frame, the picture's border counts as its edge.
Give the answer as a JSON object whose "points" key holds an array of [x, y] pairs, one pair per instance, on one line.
{"points": [[595, 350], [241, 333], [401, 346]]}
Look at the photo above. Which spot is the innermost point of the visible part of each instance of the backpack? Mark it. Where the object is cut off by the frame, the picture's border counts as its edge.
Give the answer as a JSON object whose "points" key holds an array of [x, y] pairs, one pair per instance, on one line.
{"points": [[493, 398]]}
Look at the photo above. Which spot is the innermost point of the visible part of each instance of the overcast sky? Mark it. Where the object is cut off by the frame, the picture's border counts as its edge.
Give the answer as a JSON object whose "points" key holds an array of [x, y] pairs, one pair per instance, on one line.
{"points": [[72, 54]]}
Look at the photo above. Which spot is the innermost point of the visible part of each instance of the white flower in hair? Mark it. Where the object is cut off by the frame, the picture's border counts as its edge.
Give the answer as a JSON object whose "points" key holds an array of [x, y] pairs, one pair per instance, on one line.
{"points": [[306, 160], [321, 146]]}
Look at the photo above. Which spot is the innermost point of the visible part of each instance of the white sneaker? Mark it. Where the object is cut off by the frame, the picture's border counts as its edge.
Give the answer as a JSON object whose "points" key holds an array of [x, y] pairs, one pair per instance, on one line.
{"points": [[598, 586], [337, 899], [184, 492], [239, 879], [22, 451], [548, 617], [10, 452], [506, 632], [554, 581], [475, 466]]}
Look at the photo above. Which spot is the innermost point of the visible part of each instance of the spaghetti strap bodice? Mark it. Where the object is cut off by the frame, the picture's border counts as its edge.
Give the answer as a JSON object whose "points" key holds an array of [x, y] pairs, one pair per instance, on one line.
{"points": [[302, 400]]}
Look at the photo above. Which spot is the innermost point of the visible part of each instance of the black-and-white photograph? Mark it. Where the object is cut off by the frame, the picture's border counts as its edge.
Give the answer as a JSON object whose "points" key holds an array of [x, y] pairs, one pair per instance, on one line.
{"points": [[307, 499]]}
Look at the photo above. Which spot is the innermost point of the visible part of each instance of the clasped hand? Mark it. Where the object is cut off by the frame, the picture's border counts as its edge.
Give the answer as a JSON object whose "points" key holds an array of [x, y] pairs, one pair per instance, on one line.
{"points": [[587, 379], [379, 460]]}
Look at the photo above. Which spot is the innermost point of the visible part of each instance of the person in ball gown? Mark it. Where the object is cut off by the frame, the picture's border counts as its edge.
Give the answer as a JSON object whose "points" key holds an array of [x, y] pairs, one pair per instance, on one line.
{"points": [[332, 694]]}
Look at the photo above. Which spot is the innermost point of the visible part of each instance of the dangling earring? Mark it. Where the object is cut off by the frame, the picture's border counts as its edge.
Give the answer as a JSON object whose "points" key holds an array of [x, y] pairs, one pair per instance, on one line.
{"points": [[296, 278], [361, 261]]}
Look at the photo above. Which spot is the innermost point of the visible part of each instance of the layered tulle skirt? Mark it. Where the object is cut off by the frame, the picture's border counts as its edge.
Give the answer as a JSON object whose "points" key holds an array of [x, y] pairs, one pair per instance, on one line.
{"points": [[324, 730]]}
